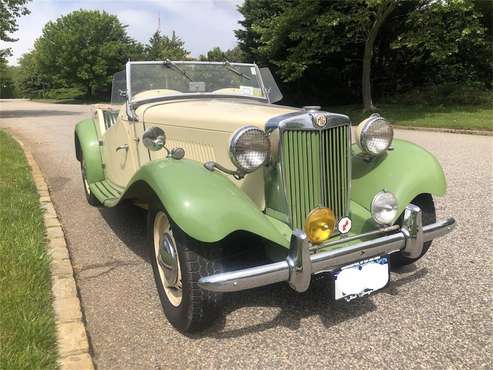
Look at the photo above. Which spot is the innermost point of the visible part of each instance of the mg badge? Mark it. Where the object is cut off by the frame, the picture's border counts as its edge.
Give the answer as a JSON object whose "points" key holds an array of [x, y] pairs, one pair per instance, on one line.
{"points": [[344, 225], [320, 120]]}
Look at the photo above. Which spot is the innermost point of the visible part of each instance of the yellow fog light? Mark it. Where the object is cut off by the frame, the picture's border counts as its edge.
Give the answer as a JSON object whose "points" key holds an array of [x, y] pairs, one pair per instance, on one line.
{"points": [[320, 224]]}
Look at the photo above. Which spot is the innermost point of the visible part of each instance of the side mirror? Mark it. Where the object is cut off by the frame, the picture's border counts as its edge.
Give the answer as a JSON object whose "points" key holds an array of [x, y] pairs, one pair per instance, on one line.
{"points": [[154, 139]]}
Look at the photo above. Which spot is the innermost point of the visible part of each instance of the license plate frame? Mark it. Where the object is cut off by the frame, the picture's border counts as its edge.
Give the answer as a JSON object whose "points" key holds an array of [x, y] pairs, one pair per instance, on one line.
{"points": [[361, 278]]}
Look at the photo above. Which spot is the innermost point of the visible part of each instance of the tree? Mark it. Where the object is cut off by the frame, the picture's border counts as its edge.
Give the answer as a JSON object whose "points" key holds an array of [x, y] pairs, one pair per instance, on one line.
{"points": [[218, 55], [302, 35], [378, 10], [10, 10], [455, 44], [336, 45], [81, 49], [161, 47]]}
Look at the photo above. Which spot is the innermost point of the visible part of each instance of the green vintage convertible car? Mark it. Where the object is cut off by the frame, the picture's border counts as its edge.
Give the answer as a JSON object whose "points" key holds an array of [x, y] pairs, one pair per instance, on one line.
{"points": [[243, 193]]}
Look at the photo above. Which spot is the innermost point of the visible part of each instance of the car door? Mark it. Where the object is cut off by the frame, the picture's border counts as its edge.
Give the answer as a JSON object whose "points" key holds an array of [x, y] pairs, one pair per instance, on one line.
{"points": [[119, 155]]}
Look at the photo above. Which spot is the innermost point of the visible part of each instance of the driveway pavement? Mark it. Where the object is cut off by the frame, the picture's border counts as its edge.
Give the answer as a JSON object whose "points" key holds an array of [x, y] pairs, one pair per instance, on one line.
{"points": [[436, 314]]}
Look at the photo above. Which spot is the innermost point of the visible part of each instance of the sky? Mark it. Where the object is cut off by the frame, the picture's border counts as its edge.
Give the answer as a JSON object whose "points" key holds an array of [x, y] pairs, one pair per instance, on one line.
{"points": [[202, 24]]}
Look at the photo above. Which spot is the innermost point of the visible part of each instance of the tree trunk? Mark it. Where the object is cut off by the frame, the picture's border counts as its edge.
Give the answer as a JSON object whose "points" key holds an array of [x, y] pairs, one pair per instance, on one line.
{"points": [[88, 91], [383, 12]]}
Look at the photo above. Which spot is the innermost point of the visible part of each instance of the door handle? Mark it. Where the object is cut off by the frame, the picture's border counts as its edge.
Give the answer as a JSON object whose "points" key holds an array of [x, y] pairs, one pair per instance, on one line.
{"points": [[124, 146]]}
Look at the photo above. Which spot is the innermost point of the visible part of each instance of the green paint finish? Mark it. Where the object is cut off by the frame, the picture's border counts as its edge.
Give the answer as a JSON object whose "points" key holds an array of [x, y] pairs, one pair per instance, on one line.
{"points": [[407, 171], [205, 204], [89, 143]]}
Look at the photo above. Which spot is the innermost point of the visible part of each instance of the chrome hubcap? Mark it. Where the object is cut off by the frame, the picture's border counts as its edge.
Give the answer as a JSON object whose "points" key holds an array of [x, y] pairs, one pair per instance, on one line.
{"points": [[167, 258]]}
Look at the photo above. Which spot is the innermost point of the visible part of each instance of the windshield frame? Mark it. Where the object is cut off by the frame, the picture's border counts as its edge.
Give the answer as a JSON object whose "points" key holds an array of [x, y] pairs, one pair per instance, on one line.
{"points": [[134, 104]]}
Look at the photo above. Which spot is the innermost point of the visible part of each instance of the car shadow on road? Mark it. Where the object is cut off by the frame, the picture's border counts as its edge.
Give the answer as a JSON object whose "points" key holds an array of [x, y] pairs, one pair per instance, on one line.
{"points": [[291, 307], [294, 307], [129, 224], [35, 113]]}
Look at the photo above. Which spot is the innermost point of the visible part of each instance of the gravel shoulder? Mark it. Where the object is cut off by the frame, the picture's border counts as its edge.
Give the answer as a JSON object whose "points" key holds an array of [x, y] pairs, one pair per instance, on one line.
{"points": [[436, 314]]}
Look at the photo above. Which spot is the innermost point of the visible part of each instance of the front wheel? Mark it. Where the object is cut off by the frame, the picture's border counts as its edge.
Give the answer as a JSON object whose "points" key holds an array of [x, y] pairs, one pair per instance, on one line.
{"points": [[178, 262], [425, 202]]}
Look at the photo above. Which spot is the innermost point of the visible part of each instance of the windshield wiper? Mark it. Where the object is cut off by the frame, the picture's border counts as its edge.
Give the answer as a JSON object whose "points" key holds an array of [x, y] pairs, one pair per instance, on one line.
{"points": [[230, 68], [168, 63]]}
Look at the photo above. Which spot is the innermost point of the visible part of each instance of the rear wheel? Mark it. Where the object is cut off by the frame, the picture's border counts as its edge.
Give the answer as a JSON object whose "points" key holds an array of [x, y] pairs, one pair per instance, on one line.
{"points": [[178, 262], [425, 202], [91, 199]]}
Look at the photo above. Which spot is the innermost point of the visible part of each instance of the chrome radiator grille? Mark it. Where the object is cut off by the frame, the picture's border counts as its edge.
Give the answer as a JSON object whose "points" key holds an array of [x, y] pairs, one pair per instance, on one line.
{"points": [[316, 171]]}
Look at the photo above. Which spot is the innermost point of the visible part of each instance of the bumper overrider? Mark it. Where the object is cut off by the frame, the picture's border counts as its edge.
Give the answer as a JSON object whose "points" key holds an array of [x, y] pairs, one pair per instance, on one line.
{"points": [[303, 261]]}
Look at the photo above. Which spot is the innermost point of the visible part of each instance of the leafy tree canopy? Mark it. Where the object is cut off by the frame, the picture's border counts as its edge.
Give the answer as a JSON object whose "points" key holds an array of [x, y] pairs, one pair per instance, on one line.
{"points": [[161, 47], [314, 43], [82, 49], [218, 55], [10, 10]]}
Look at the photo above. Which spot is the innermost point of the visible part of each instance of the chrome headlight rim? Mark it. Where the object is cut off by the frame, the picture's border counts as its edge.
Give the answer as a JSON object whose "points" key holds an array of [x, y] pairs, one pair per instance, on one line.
{"points": [[233, 141], [363, 134], [394, 206]]}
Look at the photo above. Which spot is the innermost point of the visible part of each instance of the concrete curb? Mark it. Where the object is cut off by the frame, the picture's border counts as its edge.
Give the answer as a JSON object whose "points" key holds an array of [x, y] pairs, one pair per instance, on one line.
{"points": [[73, 344], [447, 130]]}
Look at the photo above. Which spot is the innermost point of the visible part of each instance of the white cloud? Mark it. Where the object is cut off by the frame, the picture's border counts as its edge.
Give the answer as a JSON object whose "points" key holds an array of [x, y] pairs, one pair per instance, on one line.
{"points": [[202, 24]]}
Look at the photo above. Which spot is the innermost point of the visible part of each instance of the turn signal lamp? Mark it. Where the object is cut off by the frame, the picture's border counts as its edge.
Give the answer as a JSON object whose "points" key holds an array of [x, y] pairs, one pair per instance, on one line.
{"points": [[320, 225]]}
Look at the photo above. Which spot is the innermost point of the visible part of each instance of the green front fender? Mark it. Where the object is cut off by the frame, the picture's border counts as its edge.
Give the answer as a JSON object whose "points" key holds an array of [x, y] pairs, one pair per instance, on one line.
{"points": [[407, 171], [204, 204], [87, 145]]}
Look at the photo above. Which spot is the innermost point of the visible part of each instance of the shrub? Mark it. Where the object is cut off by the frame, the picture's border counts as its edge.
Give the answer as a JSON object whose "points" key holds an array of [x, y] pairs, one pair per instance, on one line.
{"points": [[64, 93], [445, 94]]}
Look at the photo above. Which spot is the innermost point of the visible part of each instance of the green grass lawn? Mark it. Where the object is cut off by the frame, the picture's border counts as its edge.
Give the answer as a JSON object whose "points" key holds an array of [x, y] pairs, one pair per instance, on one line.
{"points": [[69, 101], [27, 326], [456, 117]]}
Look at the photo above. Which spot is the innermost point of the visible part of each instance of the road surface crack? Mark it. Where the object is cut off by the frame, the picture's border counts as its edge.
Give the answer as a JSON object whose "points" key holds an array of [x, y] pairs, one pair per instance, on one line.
{"points": [[107, 266]]}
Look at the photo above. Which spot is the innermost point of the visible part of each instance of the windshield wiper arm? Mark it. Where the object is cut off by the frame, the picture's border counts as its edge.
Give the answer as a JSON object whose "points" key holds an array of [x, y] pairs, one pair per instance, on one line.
{"points": [[230, 68], [168, 63]]}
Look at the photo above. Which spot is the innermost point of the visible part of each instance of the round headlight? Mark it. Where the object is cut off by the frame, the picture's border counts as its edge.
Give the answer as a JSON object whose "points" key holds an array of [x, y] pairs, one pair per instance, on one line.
{"points": [[374, 135], [384, 208], [249, 148]]}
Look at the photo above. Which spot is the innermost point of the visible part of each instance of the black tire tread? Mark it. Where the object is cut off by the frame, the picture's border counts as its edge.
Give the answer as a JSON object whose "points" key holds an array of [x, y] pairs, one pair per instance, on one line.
{"points": [[199, 308], [200, 261]]}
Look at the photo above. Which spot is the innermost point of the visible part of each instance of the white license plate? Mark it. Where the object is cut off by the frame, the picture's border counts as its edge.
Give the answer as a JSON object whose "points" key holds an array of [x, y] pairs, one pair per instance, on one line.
{"points": [[361, 278]]}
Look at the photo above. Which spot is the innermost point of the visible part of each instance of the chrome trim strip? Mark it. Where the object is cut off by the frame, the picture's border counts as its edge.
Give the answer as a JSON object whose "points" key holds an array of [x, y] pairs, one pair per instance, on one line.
{"points": [[355, 237], [297, 268], [438, 229], [252, 277], [330, 260]]}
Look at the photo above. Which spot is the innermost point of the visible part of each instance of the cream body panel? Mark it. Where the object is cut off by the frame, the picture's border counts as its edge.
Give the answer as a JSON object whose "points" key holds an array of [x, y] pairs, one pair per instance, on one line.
{"points": [[203, 128], [212, 114], [120, 165]]}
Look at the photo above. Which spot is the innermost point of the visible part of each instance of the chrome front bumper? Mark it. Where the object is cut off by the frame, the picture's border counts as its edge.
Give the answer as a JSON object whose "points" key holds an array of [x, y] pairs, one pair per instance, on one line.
{"points": [[300, 264]]}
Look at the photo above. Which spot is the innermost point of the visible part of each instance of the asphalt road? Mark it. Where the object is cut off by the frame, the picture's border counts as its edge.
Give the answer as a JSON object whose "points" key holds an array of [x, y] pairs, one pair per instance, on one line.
{"points": [[436, 314]]}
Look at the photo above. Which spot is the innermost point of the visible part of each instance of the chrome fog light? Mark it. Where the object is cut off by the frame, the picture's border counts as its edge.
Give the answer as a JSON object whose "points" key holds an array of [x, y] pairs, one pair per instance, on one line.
{"points": [[384, 208]]}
